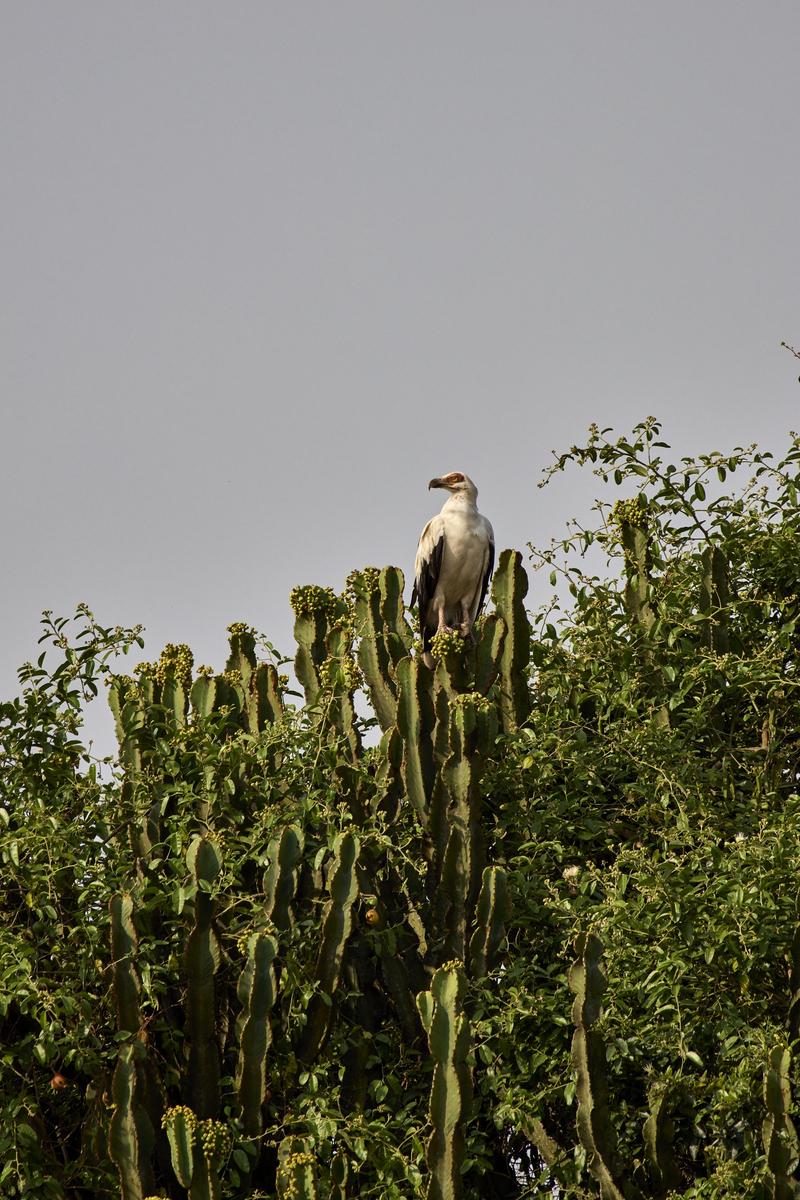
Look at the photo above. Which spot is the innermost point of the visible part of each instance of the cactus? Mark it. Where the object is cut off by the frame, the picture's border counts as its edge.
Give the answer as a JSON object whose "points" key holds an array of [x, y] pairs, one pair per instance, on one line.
{"points": [[130, 1137], [126, 987], [415, 721], [256, 992], [659, 1135], [280, 878], [631, 517], [385, 637], [336, 926], [509, 588], [315, 609], [126, 977], [451, 1091], [778, 1132], [490, 916], [340, 1172], [180, 1124], [296, 1177], [714, 595], [212, 1146], [488, 651], [587, 981], [473, 729], [202, 961]]}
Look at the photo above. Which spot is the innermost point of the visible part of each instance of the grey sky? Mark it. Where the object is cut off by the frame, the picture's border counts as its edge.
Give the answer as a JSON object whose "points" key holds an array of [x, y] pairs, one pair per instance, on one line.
{"points": [[267, 267]]}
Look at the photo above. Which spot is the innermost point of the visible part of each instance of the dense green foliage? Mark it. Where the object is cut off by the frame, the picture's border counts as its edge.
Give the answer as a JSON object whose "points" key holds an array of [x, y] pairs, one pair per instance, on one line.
{"points": [[533, 922]]}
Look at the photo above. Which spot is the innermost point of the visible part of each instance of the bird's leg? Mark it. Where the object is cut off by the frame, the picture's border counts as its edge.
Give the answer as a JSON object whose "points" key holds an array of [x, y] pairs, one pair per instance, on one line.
{"points": [[465, 625], [442, 626]]}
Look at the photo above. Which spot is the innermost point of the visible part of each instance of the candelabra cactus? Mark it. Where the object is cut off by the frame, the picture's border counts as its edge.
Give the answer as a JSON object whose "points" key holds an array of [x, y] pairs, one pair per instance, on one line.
{"points": [[285, 854], [509, 588], [491, 914], [448, 1033], [131, 1135], [384, 635], [202, 962], [315, 609], [778, 1133], [714, 597], [659, 1136], [588, 982], [297, 1176], [337, 923], [256, 993], [415, 721]]}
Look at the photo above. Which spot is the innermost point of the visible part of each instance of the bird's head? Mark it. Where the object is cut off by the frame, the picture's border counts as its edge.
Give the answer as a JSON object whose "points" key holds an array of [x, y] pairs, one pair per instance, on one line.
{"points": [[457, 484]]}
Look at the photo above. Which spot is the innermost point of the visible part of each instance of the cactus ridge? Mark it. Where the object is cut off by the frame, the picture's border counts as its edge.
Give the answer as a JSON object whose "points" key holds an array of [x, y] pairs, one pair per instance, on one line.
{"points": [[416, 719], [202, 962], [280, 878], [256, 992], [297, 1177], [337, 923], [595, 1131], [448, 1033], [491, 915], [131, 1135], [509, 588], [778, 1132]]}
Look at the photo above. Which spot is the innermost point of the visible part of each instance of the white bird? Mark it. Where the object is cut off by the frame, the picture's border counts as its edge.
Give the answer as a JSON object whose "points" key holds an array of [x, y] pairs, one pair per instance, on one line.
{"points": [[454, 562]]}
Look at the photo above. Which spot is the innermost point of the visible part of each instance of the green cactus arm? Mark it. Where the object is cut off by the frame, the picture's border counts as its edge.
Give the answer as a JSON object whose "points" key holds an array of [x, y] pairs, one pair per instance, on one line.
{"points": [[714, 597], [125, 975], [315, 609], [296, 1177], [212, 1146], [659, 1135], [337, 922], [488, 652], [416, 719], [778, 1131], [596, 1133], [451, 1090], [130, 1137], [266, 702], [180, 1125], [280, 878], [201, 963], [491, 914], [203, 695], [373, 655], [242, 652], [509, 588], [340, 1173], [256, 992]]}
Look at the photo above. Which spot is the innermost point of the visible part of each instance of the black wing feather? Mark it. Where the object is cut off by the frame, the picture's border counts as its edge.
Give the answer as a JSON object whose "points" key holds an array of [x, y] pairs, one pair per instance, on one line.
{"points": [[424, 588], [486, 578]]}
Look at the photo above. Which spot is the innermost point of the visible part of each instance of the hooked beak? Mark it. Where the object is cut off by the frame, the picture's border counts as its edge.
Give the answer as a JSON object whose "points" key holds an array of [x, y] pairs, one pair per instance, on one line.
{"points": [[437, 482]]}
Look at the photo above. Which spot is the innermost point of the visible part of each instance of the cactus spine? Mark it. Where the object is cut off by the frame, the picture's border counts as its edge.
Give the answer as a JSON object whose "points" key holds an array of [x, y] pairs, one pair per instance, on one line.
{"points": [[778, 1132], [451, 1091], [202, 961], [587, 981], [337, 923]]}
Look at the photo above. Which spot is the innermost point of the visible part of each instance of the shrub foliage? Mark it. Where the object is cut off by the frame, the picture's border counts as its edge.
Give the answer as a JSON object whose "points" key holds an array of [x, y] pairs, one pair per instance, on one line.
{"points": [[522, 925]]}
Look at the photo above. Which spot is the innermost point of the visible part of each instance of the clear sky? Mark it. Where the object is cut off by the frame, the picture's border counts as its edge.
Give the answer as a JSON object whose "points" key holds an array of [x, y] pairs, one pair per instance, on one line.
{"points": [[266, 268]]}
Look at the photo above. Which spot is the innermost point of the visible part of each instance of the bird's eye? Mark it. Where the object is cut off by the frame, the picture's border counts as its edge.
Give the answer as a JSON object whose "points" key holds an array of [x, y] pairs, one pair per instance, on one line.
{"points": [[456, 477]]}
